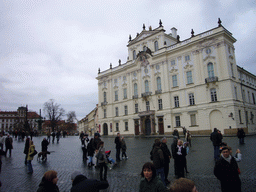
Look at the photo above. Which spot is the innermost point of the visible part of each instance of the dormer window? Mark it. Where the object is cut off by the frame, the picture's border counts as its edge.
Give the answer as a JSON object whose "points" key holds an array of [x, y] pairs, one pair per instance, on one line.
{"points": [[134, 54], [156, 45]]}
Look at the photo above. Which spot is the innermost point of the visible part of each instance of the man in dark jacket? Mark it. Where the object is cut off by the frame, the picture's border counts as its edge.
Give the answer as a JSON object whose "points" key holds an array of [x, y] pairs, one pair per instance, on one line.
{"points": [[118, 146], [179, 155], [216, 141], [158, 160], [227, 171], [167, 157], [241, 135], [80, 183]]}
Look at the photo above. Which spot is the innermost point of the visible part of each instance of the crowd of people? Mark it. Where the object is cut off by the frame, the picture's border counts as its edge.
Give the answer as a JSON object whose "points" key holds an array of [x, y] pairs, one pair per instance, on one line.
{"points": [[154, 174]]}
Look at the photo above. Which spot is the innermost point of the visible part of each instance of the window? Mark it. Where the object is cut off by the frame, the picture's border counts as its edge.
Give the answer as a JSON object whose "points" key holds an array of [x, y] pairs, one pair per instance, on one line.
{"points": [[156, 45], [115, 81], [253, 98], [240, 116], [117, 127], [177, 121], [189, 77], [116, 95], [191, 99], [124, 78], [158, 80], [134, 54], [187, 58], [249, 99], [144, 48], [105, 97], [210, 70], [193, 119], [235, 89], [147, 106], [246, 117], [125, 110], [136, 107], [125, 93], [135, 87], [208, 51], [213, 95], [174, 81], [126, 126], [105, 84], [146, 86], [160, 105], [105, 113], [173, 62], [117, 112], [243, 95], [176, 101], [232, 69], [157, 67], [252, 116]]}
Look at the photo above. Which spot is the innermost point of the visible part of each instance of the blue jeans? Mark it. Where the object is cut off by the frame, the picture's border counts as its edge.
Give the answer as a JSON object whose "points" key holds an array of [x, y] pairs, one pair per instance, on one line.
{"points": [[30, 168], [90, 159], [161, 172], [216, 152], [241, 140]]}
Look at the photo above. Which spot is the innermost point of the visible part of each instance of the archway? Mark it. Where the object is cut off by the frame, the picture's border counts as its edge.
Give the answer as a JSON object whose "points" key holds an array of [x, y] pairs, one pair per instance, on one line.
{"points": [[147, 126], [105, 129]]}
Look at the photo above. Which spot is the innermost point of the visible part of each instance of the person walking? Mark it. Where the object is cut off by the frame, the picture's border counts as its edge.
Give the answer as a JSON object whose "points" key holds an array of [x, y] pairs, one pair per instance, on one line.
{"points": [[26, 148], [240, 135], [188, 138], [58, 134], [150, 182], [30, 157], [183, 184], [49, 182], [123, 146], [158, 160], [8, 144], [53, 136], [49, 137], [118, 147], [90, 151], [216, 139], [176, 133], [102, 159], [44, 145], [167, 157], [227, 171], [81, 183]]}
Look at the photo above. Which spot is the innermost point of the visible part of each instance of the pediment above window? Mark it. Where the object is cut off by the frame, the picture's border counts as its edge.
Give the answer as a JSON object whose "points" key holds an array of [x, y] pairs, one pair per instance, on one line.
{"points": [[208, 57], [173, 70], [188, 66]]}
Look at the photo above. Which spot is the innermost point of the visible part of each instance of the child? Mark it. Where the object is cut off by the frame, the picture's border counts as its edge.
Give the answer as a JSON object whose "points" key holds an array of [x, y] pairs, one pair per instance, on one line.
{"points": [[110, 160]]}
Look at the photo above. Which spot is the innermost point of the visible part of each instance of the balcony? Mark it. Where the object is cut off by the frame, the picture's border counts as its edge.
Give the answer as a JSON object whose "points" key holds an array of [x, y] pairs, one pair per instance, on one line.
{"points": [[146, 94], [211, 79], [104, 103], [135, 97], [158, 91]]}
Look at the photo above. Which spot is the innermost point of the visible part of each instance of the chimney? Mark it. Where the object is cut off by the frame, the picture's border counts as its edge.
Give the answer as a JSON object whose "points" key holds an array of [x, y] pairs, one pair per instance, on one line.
{"points": [[174, 32]]}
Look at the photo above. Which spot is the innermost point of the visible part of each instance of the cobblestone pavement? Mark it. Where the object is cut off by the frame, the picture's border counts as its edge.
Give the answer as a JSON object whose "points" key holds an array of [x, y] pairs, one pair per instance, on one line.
{"points": [[67, 157]]}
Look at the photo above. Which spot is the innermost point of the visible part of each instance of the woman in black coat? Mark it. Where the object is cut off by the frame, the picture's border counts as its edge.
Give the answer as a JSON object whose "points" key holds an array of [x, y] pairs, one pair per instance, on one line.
{"points": [[90, 150], [49, 182]]}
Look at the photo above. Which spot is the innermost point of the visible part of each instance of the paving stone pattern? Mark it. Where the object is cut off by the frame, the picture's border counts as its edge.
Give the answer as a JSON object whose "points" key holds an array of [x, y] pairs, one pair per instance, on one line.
{"points": [[67, 157]]}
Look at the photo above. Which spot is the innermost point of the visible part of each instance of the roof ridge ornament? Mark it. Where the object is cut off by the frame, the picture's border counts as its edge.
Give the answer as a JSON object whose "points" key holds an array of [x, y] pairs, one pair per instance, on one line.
{"points": [[219, 22], [192, 33], [130, 38], [144, 27], [160, 23]]}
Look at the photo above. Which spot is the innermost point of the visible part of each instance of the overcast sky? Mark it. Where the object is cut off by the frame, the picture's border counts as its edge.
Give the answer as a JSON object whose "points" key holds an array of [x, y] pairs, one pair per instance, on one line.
{"points": [[52, 49]]}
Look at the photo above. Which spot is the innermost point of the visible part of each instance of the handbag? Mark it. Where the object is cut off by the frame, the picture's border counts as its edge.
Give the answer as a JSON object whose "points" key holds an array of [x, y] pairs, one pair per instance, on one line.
{"points": [[33, 154]]}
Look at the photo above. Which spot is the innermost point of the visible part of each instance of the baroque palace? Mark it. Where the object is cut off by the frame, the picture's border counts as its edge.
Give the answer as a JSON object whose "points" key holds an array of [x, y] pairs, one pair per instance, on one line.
{"points": [[167, 84]]}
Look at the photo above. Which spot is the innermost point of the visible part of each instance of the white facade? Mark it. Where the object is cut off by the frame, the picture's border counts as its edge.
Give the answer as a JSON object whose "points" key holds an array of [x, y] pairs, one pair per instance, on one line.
{"points": [[166, 84]]}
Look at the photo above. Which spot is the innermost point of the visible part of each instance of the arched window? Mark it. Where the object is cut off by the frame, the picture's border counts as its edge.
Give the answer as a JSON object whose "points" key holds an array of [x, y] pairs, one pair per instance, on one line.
{"points": [[135, 89], [134, 54], [146, 86], [156, 45], [158, 80], [144, 48], [210, 70]]}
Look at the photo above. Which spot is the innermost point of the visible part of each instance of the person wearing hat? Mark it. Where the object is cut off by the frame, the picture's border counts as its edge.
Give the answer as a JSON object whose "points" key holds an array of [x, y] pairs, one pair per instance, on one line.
{"points": [[80, 183]]}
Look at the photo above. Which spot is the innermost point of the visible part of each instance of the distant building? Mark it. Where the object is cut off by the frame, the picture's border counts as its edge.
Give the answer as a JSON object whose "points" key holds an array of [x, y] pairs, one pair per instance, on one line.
{"points": [[166, 84], [15, 120]]}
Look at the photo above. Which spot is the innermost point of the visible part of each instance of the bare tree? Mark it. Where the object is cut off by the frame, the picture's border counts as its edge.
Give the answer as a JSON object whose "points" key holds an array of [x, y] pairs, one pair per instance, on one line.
{"points": [[71, 119], [53, 112]]}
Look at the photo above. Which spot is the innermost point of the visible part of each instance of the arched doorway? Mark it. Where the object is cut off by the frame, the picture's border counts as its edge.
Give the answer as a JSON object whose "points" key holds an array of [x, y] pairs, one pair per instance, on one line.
{"points": [[105, 129], [216, 120], [147, 126]]}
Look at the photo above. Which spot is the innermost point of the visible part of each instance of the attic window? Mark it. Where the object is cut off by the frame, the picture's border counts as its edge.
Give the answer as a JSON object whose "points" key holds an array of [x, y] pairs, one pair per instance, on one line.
{"points": [[156, 45], [134, 54]]}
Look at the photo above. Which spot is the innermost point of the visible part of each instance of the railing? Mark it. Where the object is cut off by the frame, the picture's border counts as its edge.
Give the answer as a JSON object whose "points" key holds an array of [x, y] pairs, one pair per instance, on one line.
{"points": [[146, 94], [104, 103], [158, 91], [211, 79], [135, 96]]}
